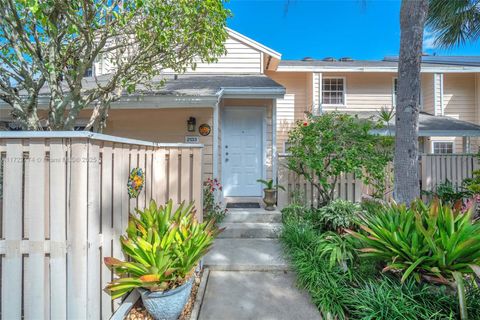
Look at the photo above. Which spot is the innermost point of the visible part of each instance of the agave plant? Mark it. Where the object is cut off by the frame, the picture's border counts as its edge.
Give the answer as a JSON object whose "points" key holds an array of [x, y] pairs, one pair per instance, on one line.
{"points": [[438, 243], [269, 185], [164, 246]]}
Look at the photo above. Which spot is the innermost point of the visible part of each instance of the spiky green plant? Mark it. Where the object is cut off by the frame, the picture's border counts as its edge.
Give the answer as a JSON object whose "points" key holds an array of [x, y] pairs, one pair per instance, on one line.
{"points": [[164, 246], [270, 185], [434, 242]]}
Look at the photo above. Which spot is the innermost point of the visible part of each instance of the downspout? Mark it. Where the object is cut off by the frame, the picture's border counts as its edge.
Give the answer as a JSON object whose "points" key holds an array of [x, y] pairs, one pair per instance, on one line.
{"points": [[216, 138]]}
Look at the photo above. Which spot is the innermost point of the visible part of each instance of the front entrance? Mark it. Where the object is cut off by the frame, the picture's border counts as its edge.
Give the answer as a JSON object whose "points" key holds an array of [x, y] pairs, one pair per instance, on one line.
{"points": [[242, 152]]}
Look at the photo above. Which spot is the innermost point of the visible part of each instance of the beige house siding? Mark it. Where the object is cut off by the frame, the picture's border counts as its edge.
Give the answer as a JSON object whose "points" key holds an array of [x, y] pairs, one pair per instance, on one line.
{"points": [[293, 106], [240, 59], [459, 101], [364, 91], [428, 95], [163, 125]]}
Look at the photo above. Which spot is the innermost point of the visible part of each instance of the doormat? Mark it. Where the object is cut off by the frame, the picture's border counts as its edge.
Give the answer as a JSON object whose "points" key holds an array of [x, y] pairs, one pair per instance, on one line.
{"points": [[242, 205]]}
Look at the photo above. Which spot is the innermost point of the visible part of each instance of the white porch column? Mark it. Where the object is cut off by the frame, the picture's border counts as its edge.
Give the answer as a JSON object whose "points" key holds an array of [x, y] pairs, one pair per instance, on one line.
{"points": [[317, 93], [216, 139], [438, 94], [466, 145], [274, 140]]}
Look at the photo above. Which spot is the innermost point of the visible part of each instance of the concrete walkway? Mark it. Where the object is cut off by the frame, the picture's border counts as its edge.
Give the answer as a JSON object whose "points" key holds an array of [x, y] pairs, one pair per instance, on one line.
{"points": [[249, 278]]}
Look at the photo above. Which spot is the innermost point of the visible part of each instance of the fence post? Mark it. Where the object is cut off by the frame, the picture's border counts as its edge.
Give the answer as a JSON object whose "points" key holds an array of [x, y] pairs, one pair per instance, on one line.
{"points": [[12, 210], [282, 197]]}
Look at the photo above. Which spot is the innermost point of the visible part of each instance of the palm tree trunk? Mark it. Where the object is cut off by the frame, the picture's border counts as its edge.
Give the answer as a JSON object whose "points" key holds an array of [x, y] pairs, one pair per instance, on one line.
{"points": [[412, 20]]}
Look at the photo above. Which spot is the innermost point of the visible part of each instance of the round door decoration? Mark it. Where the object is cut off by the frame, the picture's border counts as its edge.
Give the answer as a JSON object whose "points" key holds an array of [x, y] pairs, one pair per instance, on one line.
{"points": [[136, 180], [204, 129]]}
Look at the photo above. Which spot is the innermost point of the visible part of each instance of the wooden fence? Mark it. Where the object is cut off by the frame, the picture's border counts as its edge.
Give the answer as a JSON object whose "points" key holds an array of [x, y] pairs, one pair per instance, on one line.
{"points": [[64, 206], [433, 170]]}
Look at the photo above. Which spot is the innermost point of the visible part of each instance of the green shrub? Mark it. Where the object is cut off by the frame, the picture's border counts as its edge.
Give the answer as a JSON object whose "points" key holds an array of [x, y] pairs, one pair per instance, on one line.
{"points": [[324, 147], [338, 250], [336, 216], [386, 298], [164, 247], [432, 242], [447, 193]]}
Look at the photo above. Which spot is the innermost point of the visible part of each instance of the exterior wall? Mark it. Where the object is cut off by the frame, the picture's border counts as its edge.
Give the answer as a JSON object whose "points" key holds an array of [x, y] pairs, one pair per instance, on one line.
{"points": [[240, 59], [428, 93], [364, 91], [163, 125], [297, 100], [459, 101]]}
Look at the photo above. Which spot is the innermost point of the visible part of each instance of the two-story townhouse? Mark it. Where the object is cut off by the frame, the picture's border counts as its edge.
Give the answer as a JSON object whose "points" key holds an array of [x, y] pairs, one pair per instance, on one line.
{"points": [[242, 107], [450, 88]]}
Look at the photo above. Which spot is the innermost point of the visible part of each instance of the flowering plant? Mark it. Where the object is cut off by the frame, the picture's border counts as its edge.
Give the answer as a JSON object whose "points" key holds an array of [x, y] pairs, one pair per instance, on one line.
{"points": [[136, 180], [211, 208]]}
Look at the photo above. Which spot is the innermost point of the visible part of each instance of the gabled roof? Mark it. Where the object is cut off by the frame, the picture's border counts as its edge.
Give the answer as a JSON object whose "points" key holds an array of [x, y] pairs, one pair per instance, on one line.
{"points": [[254, 44]]}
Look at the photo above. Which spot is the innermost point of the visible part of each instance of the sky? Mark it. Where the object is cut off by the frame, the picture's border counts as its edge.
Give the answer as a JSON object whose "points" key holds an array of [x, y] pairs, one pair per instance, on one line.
{"points": [[359, 29]]}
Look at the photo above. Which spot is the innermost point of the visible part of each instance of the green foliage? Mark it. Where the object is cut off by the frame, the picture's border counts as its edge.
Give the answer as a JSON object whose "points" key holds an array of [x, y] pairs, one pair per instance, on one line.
{"points": [[454, 22], [327, 146], [337, 216], [338, 249], [432, 242], [212, 209], [448, 193], [163, 245], [270, 185], [385, 298], [364, 293], [52, 44], [473, 184]]}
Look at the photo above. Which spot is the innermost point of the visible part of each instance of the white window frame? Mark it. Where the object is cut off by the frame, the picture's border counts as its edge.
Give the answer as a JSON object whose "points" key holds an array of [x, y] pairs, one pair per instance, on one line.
{"points": [[394, 98], [344, 104], [443, 141]]}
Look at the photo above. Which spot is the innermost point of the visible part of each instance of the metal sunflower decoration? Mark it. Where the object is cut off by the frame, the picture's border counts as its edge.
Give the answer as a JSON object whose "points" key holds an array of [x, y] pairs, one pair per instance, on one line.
{"points": [[136, 180]]}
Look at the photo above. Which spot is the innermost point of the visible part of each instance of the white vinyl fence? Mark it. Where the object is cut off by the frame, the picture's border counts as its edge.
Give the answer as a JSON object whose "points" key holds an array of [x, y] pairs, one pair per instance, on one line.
{"points": [[434, 169], [64, 204]]}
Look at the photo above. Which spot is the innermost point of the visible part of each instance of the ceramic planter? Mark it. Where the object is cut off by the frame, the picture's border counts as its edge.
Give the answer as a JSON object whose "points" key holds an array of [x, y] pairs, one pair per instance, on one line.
{"points": [[166, 305], [270, 199]]}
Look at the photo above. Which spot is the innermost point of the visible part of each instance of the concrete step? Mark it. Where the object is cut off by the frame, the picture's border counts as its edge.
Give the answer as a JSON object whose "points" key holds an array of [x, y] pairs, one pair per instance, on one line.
{"points": [[246, 255], [250, 230], [236, 216]]}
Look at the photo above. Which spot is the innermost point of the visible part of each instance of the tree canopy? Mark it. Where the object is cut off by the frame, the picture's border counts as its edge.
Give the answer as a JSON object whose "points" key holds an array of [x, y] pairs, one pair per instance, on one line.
{"points": [[47, 47]]}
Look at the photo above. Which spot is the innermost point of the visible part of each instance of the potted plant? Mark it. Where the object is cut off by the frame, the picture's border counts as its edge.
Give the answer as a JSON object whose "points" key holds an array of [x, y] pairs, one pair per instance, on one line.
{"points": [[164, 247], [270, 193]]}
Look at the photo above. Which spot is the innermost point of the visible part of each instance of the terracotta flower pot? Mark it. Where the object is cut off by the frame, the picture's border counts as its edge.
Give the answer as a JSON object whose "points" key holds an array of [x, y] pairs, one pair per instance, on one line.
{"points": [[270, 199]]}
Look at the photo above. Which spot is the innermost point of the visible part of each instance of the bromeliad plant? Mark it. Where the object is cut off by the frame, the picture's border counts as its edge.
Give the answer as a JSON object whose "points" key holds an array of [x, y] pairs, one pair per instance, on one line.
{"points": [[437, 243], [164, 246]]}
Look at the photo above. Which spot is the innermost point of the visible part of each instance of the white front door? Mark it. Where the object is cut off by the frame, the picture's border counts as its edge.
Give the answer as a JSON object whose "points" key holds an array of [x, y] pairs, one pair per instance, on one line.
{"points": [[242, 151]]}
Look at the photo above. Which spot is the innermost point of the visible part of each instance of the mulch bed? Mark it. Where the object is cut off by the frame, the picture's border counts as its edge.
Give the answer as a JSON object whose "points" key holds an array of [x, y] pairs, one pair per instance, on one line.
{"points": [[138, 311]]}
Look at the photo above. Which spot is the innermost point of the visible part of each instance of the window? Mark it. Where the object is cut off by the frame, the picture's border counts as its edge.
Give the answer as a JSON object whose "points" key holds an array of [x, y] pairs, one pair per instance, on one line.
{"points": [[442, 147], [333, 91]]}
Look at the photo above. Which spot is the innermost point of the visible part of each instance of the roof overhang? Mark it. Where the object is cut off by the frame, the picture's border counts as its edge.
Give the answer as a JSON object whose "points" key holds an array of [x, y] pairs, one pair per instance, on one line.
{"points": [[283, 68], [432, 133]]}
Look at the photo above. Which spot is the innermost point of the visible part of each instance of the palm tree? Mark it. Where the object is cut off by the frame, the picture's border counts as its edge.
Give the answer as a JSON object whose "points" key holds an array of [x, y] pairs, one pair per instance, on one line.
{"points": [[413, 14], [454, 22]]}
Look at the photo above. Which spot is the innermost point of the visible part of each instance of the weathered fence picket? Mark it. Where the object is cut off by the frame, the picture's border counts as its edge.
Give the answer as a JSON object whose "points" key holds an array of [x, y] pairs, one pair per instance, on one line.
{"points": [[433, 168], [65, 204]]}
